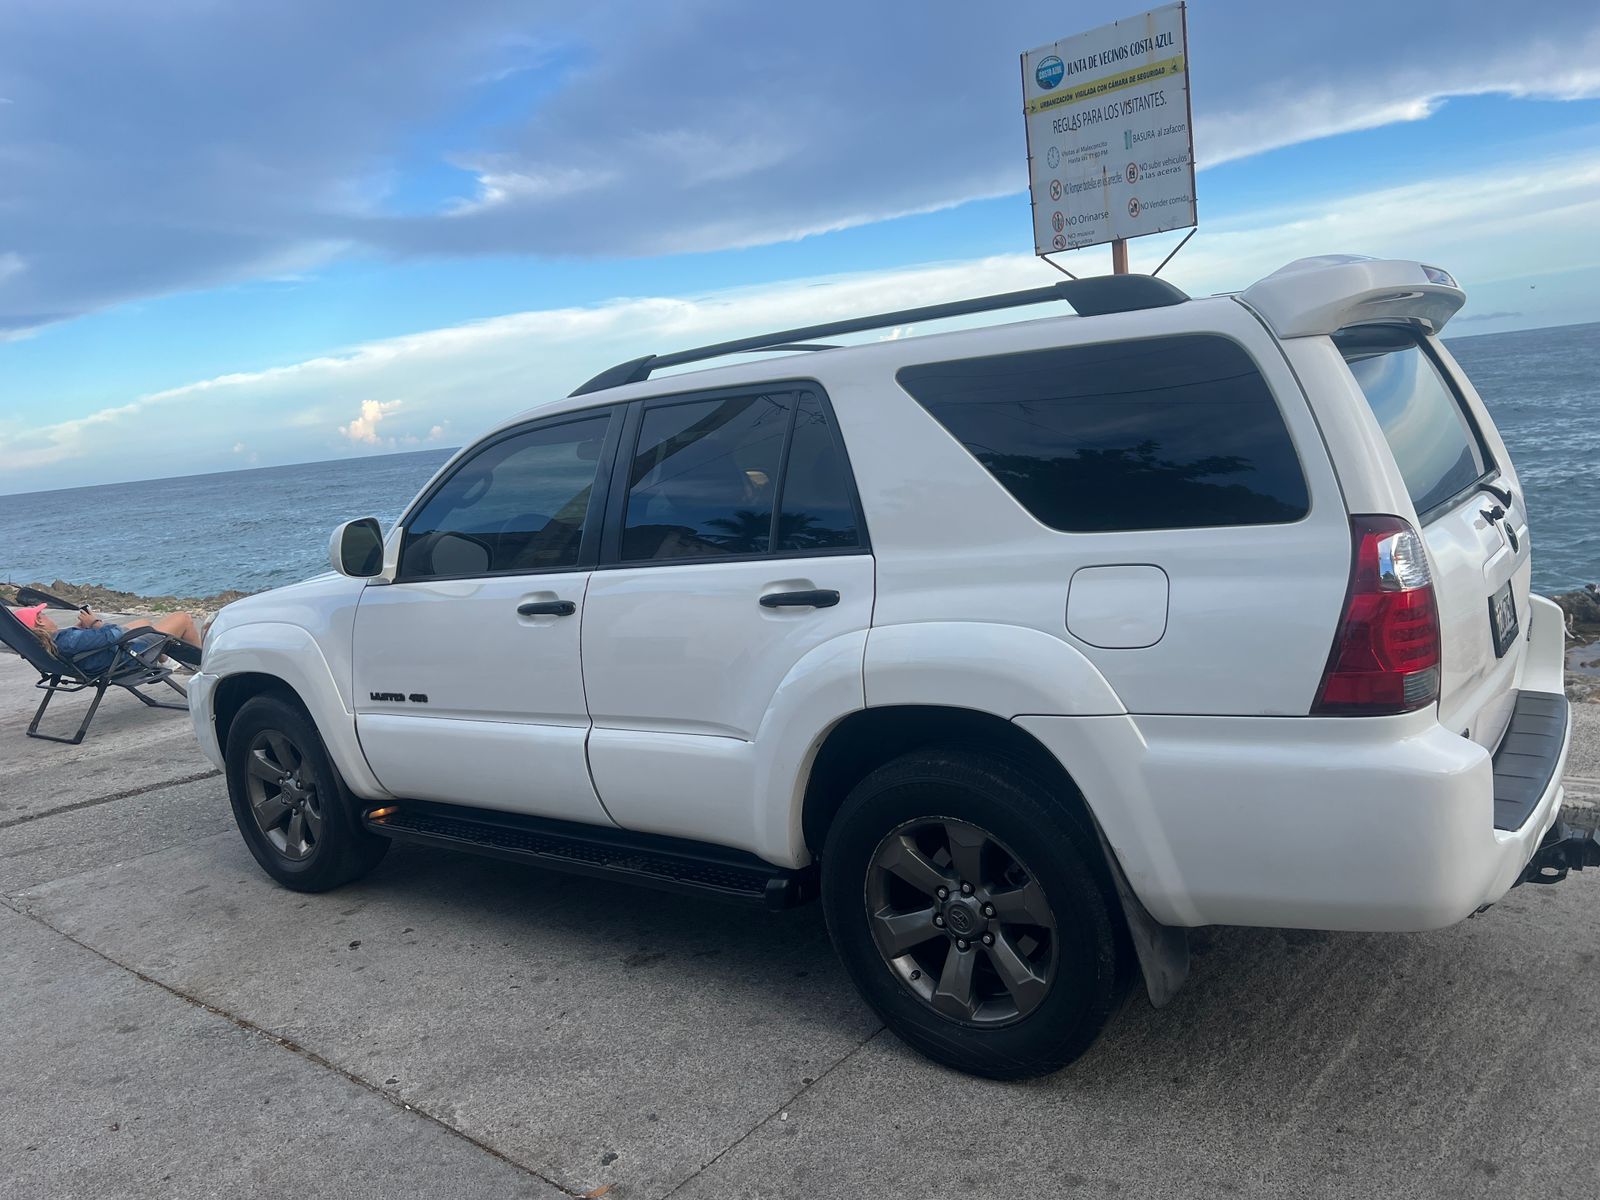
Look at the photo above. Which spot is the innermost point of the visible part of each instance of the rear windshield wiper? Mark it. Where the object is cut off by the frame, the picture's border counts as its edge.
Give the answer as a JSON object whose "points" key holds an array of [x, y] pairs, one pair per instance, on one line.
{"points": [[1504, 495]]}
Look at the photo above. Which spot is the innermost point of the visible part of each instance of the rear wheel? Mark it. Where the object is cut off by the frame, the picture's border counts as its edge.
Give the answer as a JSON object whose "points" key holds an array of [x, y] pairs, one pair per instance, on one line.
{"points": [[960, 896], [291, 804]]}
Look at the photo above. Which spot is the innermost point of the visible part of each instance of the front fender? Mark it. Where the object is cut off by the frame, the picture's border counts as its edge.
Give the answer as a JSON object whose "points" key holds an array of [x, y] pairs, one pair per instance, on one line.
{"points": [[290, 653]]}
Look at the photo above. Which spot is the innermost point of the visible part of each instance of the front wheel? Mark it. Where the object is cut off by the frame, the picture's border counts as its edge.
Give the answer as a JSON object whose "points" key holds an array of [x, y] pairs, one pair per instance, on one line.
{"points": [[960, 897], [291, 804]]}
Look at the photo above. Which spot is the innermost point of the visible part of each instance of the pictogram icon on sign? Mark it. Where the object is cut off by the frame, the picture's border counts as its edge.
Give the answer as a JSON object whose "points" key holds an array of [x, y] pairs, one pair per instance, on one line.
{"points": [[1055, 189], [1131, 173], [1059, 241], [1057, 221], [1052, 157], [1133, 206]]}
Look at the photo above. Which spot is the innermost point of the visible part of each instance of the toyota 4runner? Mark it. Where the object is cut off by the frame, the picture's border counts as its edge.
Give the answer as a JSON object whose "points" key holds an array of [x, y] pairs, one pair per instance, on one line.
{"points": [[1027, 648]]}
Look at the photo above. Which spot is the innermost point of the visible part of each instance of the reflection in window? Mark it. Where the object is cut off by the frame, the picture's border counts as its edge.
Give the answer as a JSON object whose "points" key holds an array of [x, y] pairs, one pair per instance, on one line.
{"points": [[818, 512], [1161, 433], [1437, 451], [704, 478], [517, 505]]}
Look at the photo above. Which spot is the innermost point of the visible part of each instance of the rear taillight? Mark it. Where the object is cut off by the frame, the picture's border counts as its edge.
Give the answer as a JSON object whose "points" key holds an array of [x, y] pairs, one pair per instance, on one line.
{"points": [[1385, 656]]}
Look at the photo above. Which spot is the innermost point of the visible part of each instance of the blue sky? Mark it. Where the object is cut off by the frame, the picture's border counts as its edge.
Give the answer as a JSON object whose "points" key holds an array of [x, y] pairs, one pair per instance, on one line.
{"points": [[311, 231]]}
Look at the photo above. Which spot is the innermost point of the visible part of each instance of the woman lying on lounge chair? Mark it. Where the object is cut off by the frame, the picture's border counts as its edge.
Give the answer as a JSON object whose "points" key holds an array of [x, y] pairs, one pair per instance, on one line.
{"points": [[91, 632]]}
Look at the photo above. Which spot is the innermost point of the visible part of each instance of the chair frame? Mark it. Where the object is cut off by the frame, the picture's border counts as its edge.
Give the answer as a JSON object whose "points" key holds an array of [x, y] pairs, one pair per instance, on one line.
{"points": [[130, 669]]}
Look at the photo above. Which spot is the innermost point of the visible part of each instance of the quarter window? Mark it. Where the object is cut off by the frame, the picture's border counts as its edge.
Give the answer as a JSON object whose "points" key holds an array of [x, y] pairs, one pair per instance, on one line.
{"points": [[517, 505], [1161, 433], [1434, 444]]}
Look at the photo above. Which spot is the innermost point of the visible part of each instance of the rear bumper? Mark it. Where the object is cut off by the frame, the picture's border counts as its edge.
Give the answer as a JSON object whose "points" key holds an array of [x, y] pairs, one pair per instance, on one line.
{"points": [[1372, 823]]}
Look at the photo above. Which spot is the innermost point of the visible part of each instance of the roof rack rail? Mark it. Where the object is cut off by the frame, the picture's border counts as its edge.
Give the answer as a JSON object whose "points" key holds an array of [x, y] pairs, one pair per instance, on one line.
{"points": [[1089, 297]]}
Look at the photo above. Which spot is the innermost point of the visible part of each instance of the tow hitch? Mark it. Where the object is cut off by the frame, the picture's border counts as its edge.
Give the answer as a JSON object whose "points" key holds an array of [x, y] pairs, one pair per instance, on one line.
{"points": [[1563, 849]]}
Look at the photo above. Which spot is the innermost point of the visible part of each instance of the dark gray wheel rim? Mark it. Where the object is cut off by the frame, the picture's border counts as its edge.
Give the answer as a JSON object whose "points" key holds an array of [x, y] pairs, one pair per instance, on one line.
{"points": [[283, 797], [960, 919]]}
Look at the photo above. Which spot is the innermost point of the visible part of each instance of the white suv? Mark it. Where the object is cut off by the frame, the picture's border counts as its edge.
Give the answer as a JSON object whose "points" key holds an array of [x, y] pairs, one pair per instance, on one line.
{"points": [[1027, 647]]}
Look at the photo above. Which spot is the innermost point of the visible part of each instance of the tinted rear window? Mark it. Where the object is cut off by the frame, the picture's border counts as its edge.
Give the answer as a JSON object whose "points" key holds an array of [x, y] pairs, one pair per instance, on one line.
{"points": [[1434, 444], [1161, 433]]}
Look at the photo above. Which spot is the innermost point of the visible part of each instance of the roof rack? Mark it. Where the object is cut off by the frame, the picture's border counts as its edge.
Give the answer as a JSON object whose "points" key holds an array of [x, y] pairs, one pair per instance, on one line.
{"points": [[1089, 297]]}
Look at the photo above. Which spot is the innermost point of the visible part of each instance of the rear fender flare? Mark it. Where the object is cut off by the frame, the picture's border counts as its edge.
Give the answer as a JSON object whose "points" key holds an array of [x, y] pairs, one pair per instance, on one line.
{"points": [[1006, 670]]}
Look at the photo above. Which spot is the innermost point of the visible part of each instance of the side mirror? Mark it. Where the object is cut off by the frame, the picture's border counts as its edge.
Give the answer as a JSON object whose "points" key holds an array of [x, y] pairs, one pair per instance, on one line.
{"points": [[356, 548]]}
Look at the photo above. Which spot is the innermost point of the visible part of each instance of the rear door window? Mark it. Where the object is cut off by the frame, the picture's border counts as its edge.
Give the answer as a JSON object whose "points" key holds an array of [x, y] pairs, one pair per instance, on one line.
{"points": [[704, 478], [738, 476], [1161, 433], [818, 509], [1435, 444]]}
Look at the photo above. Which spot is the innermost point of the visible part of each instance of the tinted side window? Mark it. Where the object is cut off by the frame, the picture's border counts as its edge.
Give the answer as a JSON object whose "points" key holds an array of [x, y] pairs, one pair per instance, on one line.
{"points": [[517, 505], [1436, 448], [818, 510], [1163, 433], [704, 477]]}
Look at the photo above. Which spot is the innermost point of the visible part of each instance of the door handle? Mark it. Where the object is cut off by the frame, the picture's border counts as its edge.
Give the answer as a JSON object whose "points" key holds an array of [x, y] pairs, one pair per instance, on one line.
{"points": [[547, 608], [1498, 515], [816, 598]]}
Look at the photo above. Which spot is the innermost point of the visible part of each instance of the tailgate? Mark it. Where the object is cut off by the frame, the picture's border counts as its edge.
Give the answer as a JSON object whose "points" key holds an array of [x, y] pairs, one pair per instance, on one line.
{"points": [[1469, 507]]}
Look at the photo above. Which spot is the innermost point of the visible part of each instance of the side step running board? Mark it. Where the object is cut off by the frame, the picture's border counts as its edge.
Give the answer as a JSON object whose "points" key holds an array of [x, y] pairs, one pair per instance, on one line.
{"points": [[1563, 849], [655, 861]]}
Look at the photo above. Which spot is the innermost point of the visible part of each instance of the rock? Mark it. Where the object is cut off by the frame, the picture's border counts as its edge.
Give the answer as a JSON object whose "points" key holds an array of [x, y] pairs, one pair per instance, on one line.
{"points": [[1583, 612], [104, 599], [1583, 689]]}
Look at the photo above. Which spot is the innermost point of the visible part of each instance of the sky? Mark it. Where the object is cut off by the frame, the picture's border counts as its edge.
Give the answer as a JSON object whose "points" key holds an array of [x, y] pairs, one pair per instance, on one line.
{"points": [[236, 235]]}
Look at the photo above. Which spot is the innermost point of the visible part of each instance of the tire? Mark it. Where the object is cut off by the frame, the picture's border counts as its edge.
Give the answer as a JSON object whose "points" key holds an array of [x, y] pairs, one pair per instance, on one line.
{"points": [[1068, 972], [328, 847]]}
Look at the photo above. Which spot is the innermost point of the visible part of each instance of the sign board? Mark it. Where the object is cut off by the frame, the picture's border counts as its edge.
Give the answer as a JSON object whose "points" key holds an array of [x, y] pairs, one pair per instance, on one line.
{"points": [[1110, 149]]}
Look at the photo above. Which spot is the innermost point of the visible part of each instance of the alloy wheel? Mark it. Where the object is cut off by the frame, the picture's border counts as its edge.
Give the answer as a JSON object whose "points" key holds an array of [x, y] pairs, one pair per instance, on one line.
{"points": [[283, 796], [958, 916]]}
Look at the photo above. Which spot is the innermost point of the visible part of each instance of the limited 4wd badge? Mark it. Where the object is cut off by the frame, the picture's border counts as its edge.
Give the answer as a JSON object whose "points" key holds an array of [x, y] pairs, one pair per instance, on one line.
{"points": [[399, 697]]}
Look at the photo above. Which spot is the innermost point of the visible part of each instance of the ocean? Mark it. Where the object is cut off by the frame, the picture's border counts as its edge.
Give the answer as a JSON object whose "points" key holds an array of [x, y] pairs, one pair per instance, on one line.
{"points": [[201, 534]]}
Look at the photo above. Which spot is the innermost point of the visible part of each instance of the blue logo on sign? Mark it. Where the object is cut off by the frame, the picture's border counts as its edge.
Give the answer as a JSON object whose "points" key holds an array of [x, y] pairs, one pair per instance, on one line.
{"points": [[1049, 72]]}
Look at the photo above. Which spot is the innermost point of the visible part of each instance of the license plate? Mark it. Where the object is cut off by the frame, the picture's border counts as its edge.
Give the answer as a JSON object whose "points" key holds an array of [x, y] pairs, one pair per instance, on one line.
{"points": [[1503, 619]]}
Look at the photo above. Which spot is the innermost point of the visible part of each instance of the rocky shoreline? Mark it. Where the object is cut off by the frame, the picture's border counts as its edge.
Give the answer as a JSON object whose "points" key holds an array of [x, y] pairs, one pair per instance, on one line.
{"points": [[104, 599], [1582, 608], [1583, 643]]}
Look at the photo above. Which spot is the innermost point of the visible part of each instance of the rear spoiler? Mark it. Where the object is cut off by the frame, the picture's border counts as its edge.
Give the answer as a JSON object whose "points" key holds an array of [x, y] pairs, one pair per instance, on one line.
{"points": [[1313, 296]]}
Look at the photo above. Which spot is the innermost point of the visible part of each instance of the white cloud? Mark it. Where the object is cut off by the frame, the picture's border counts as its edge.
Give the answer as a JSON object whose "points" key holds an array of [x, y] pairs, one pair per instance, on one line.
{"points": [[252, 147], [450, 383], [364, 429]]}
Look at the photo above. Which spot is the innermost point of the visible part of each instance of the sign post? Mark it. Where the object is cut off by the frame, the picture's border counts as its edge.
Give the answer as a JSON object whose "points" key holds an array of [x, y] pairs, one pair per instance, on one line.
{"points": [[1110, 141]]}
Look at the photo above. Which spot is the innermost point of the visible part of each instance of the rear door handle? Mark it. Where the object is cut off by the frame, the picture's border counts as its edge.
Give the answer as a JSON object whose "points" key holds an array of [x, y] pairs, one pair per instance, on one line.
{"points": [[816, 598], [1497, 514], [547, 608]]}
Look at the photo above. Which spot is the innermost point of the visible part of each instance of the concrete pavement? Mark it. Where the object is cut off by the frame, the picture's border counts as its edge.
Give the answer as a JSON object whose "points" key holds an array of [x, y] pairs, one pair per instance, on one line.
{"points": [[178, 1025]]}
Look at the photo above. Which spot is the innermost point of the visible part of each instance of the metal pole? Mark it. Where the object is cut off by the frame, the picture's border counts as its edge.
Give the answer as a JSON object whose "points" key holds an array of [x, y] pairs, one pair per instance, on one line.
{"points": [[1054, 264], [1119, 256], [1175, 249]]}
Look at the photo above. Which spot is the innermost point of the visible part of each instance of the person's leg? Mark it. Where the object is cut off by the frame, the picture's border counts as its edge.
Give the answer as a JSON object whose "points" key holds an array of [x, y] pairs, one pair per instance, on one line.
{"points": [[180, 625]]}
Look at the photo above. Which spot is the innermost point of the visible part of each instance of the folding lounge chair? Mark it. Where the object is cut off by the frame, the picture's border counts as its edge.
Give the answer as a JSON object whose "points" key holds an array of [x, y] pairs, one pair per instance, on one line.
{"points": [[129, 668]]}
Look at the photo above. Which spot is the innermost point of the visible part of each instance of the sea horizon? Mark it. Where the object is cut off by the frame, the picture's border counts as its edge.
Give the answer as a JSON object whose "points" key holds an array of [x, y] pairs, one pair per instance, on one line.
{"points": [[259, 527], [317, 462]]}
